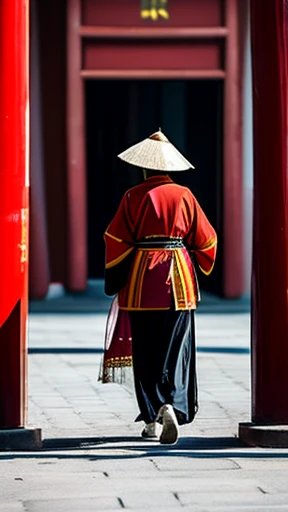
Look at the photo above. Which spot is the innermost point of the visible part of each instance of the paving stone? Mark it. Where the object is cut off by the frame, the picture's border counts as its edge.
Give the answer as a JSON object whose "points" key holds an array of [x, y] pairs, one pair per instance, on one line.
{"points": [[245, 500], [95, 458], [16, 506], [147, 499], [75, 505]]}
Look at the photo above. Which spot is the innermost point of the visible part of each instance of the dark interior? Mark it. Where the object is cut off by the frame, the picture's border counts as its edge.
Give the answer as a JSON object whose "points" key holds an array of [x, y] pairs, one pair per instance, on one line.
{"points": [[120, 113]]}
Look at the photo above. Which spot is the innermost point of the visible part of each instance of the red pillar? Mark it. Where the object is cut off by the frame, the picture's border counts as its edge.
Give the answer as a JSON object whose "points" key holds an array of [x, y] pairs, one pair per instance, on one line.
{"points": [[270, 235], [76, 172], [233, 210], [14, 169], [39, 274]]}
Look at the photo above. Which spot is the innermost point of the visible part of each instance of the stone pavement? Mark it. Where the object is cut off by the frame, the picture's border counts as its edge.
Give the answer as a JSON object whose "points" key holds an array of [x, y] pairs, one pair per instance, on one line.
{"points": [[93, 457]]}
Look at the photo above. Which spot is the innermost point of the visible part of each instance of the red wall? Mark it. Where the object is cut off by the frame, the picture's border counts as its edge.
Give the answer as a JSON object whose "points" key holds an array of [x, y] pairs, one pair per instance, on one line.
{"points": [[206, 13], [153, 55]]}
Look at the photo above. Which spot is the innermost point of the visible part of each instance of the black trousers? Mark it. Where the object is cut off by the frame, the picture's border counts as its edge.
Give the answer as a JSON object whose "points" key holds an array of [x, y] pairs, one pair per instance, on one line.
{"points": [[164, 363]]}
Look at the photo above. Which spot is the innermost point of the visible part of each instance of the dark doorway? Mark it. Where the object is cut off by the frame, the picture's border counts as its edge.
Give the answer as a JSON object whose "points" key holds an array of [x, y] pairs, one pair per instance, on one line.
{"points": [[120, 113]]}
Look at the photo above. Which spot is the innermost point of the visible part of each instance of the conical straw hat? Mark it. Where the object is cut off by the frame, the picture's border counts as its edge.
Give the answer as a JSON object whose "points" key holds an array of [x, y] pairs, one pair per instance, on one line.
{"points": [[156, 153]]}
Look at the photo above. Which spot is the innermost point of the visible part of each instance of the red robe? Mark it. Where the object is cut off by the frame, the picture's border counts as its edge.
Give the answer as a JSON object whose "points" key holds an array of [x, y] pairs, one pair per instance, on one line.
{"points": [[159, 277]]}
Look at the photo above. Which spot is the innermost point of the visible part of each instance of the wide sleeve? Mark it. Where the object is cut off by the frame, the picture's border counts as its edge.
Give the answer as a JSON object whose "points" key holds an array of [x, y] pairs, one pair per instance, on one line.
{"points": [[119, 245], [202, 239]]}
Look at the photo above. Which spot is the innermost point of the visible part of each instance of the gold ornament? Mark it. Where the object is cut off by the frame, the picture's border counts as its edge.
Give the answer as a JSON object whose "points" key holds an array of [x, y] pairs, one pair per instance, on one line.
{"points": [[154, 9]]}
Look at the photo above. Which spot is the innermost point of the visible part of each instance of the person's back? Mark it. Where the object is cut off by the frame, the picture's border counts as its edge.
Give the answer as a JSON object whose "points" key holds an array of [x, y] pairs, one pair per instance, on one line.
{"points": [[162, 207], [152, 243], [168, 215]]}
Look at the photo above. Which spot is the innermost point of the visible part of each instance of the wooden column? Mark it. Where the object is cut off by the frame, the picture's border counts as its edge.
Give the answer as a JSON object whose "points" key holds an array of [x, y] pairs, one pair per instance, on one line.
{"points": [[14, 210], [39, 277], [270, 235], [270, 243], [232, 178], [76, 176]]}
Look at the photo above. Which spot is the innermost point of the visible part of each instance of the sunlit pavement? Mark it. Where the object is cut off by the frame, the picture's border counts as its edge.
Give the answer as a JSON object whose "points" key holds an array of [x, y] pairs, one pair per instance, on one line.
{"points": [[94, 458]]}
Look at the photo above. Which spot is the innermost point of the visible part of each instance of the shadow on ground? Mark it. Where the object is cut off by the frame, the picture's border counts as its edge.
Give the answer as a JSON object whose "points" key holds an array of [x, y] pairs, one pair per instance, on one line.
{"points": [[97, 350], [123, 448], [184, 443]]}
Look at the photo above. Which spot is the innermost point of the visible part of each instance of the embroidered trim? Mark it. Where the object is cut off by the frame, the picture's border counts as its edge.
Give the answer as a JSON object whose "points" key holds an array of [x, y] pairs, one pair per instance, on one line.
{"points": [[119, 259], [128, 308], [113, 237], [164, 236], [183, 283], [208, 245], [133, 279], [207, 272], [139, 281], [118, 362], [157, 249], [181, 299]]}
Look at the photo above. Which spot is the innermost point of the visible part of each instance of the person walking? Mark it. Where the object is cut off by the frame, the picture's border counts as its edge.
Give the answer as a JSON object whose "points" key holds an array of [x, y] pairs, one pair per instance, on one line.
{"points": [[154, 244]]}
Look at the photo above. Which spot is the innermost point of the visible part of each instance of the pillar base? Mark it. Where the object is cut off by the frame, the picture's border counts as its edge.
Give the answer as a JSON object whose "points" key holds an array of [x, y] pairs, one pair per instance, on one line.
{"points": [[20, 439], [266, 436]]}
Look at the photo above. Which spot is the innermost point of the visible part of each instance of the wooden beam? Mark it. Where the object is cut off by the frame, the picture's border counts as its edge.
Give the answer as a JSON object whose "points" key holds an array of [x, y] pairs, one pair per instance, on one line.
{"points": [[151, 73], [153, 33], [76, 177]]}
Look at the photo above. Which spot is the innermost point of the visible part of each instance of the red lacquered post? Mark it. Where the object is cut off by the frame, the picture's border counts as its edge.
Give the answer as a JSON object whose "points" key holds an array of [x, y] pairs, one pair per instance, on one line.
{"points": [[270, 235], [233, 282], [14, 219], [76, 178]]}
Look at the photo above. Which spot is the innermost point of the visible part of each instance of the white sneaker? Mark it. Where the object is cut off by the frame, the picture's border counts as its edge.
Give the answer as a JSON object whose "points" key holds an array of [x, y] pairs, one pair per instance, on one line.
{"points": [[152, 430], [170, 430]]}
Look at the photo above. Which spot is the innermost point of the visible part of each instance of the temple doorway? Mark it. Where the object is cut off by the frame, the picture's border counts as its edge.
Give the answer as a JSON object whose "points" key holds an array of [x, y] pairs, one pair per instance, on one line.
{"points": [[120, 113]]}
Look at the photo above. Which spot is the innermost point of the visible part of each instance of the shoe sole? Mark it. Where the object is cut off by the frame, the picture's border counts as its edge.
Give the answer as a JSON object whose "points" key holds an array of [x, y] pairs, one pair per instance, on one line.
{"points": [[155, 434], [170, 429]]}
